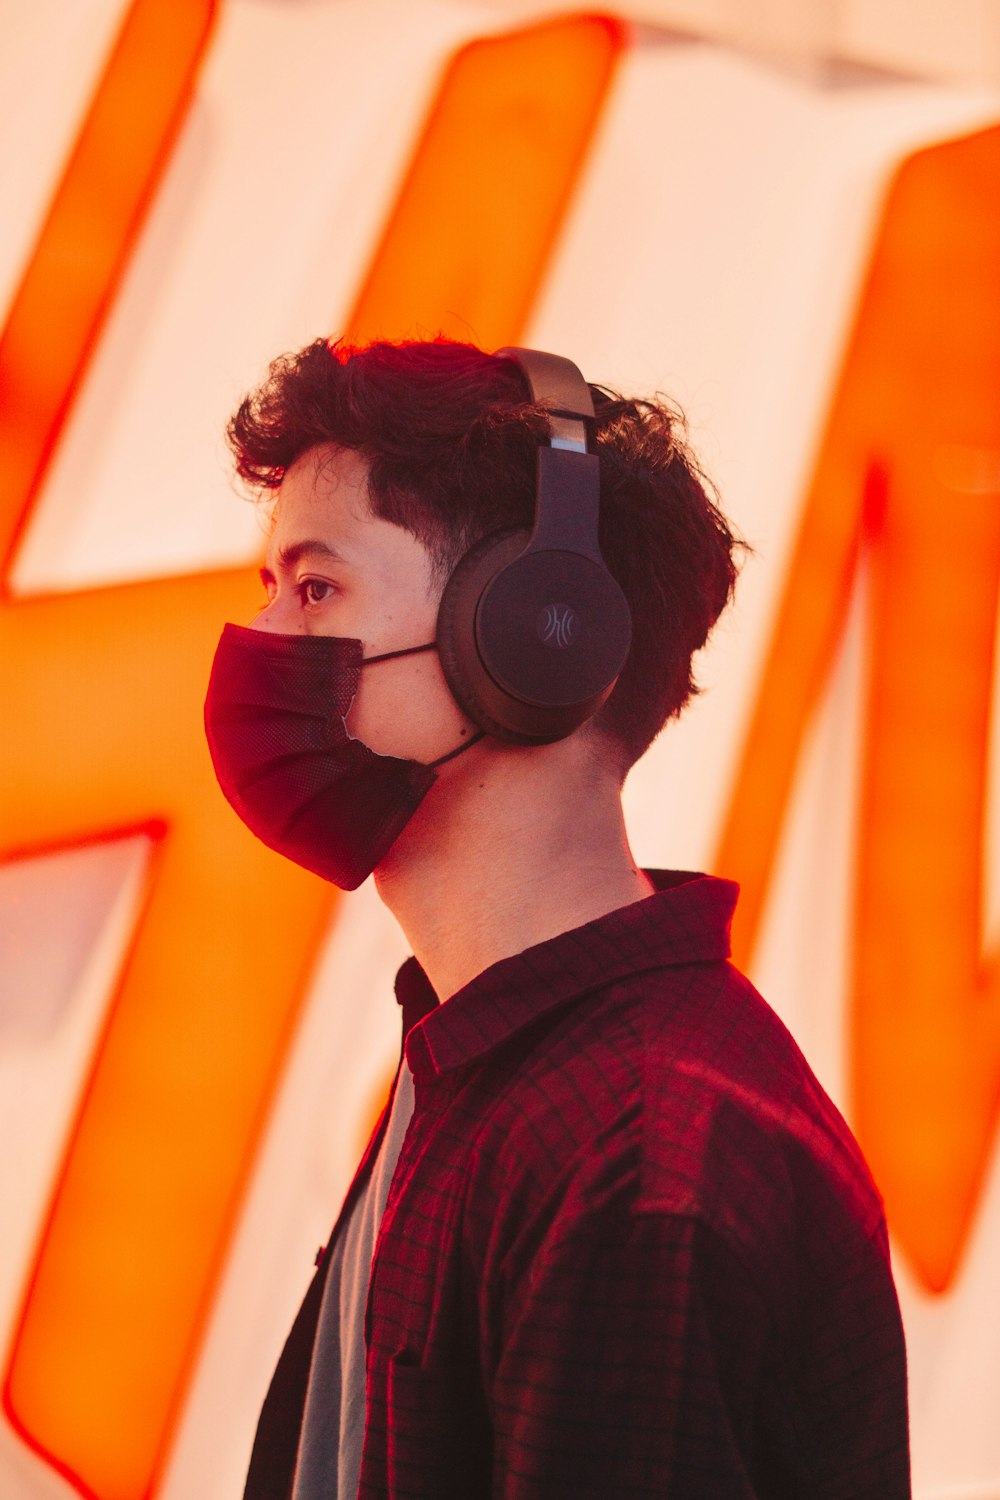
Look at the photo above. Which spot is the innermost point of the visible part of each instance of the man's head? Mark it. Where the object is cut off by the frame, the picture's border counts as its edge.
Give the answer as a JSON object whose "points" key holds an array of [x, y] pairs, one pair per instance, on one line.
{"points": [[450, 439]]}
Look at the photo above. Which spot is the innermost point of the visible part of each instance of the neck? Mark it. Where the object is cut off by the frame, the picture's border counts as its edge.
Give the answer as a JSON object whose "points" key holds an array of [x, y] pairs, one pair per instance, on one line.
{"points": [[509, 848]]}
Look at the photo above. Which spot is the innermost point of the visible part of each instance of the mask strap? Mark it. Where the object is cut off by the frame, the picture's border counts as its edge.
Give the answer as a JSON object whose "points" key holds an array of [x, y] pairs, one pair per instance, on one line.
{"points": [[460, 751], [367, 661]]}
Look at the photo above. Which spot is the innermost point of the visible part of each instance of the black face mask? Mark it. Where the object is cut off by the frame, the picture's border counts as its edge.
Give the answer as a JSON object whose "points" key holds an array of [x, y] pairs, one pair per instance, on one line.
{"points": [[274, 719]]}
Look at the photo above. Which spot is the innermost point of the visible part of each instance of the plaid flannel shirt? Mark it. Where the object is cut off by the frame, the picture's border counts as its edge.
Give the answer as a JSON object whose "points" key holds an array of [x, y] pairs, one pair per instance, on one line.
{"points": [[630, 1247]]}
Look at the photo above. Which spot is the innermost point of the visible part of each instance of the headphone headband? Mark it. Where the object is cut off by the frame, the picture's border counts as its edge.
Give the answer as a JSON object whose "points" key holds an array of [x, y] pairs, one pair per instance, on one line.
{"points": [[553, 381]]}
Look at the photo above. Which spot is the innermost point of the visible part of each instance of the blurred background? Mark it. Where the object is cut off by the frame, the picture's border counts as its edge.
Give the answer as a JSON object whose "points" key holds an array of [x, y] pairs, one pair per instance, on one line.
{"points": [[786, 217]]}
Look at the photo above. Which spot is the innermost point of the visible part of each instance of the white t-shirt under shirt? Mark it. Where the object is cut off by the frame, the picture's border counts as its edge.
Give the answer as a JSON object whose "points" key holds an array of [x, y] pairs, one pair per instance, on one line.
{"points": [[328, 1466]]}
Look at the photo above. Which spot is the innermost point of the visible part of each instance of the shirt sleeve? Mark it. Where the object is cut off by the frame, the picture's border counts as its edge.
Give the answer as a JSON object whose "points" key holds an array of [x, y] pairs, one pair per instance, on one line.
{"points": [[632, 1348], [638, 1356]]}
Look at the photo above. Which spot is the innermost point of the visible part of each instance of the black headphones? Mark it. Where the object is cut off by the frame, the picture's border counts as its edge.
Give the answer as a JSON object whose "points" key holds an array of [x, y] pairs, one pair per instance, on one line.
{"points": [[533, 630]]}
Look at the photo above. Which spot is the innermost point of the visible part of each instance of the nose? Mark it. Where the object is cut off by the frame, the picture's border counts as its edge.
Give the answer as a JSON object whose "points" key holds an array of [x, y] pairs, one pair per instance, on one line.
{"points": [[278, 618]]}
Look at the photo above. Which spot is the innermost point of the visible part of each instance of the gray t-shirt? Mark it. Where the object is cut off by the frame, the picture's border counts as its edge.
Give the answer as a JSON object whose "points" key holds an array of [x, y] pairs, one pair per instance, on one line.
{"points": [[328, 1466]]}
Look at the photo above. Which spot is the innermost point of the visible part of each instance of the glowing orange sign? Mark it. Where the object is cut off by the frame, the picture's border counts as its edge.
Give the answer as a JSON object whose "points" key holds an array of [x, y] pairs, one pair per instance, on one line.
{"points": [[170, 1115], [106, 689], [83, 247], [489, 183], [909, 470]]}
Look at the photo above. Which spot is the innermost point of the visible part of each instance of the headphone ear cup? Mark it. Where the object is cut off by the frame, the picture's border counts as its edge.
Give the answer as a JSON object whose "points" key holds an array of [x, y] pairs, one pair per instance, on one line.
{"points": [[533, 630], [531, 643], [471, 685]]}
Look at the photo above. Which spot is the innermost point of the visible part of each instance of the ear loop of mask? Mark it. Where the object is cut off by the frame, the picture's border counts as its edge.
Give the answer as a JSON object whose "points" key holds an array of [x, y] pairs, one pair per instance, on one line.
{"points": [[460, 750], [368, 661]]}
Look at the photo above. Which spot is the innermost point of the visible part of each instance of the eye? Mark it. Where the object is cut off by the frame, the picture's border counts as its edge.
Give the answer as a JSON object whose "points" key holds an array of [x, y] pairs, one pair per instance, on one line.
{"points": [[314, 590]]}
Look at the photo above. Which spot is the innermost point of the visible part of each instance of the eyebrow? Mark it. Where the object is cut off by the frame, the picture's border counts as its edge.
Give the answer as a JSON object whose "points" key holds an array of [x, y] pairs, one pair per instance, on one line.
{"points": [[296, 551]]}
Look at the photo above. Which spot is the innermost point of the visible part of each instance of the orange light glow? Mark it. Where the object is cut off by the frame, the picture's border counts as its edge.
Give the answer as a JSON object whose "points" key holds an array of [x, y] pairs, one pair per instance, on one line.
{"points": [[106, 688], [93, 219], [908, 471], [192, 1046], [489, 183]]}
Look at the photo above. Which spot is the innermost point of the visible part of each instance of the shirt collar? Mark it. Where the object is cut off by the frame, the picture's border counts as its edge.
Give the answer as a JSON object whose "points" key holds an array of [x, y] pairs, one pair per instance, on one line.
{"points": [[686, 921]]}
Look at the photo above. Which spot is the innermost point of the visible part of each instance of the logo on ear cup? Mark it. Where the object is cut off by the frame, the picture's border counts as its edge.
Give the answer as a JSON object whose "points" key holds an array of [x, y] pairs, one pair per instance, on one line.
{"points": [[557, 625]]}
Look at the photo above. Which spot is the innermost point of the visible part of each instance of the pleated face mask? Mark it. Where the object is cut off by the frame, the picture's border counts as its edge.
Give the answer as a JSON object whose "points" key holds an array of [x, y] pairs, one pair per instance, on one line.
{"points": [[274, 720]]}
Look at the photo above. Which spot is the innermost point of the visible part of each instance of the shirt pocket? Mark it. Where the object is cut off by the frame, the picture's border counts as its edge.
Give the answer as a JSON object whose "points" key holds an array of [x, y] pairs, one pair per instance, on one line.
{"points": [[438, 1441]]}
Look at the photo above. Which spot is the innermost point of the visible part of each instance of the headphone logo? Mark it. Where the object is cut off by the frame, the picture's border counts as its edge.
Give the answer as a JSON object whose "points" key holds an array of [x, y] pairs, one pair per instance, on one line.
{"points": [[558, 625]]}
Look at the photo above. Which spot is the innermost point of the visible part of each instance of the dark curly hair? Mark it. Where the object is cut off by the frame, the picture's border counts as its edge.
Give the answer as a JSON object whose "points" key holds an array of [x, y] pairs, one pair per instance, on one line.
{"points": [[451, 440]]}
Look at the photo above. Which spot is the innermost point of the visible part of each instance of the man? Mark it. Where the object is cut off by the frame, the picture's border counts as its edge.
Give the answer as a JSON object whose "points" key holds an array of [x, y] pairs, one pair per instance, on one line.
{"points": [[610, 1239]]}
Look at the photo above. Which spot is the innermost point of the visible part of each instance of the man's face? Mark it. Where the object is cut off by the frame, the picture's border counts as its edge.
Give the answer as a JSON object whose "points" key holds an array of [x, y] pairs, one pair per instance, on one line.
{"points": [[335, 569]]}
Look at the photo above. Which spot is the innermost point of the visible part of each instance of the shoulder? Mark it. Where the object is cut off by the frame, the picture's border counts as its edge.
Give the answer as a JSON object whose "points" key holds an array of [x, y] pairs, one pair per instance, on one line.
{"points": [[678, 1092], [726, 1090]]}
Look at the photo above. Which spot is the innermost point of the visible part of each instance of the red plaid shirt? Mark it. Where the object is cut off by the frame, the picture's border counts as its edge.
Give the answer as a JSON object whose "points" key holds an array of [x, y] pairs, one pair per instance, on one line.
{"points": [[630, 1248]]}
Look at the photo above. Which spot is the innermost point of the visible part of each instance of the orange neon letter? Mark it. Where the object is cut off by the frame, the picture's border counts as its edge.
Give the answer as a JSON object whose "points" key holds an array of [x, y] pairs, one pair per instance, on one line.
{"points": [[489, 183], [144, 1203], [171, 1112], [908, 470]]}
